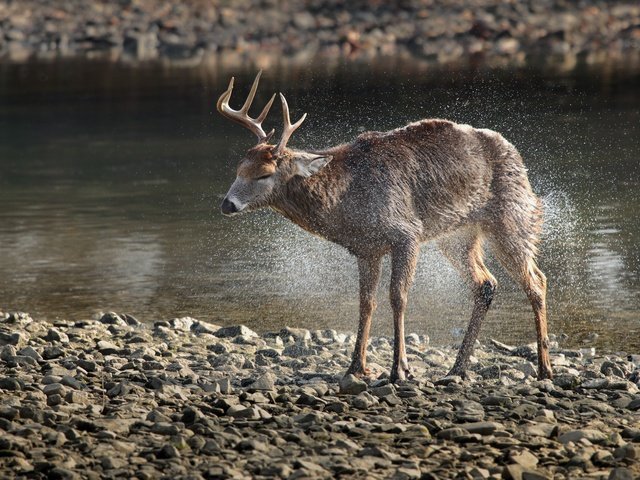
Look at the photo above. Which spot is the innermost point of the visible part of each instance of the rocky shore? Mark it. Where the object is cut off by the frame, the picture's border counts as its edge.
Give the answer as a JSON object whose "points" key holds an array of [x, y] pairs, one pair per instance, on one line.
{"points": [[114, 398], [438, 31]]}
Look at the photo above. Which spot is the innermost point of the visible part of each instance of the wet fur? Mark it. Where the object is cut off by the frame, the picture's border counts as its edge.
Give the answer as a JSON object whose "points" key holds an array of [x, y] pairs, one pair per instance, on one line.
{"points": [[387, 192]]}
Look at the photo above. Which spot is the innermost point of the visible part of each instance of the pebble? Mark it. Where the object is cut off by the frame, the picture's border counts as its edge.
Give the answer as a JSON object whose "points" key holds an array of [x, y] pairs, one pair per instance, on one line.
{"points": [[351, 385], [164, 399]]}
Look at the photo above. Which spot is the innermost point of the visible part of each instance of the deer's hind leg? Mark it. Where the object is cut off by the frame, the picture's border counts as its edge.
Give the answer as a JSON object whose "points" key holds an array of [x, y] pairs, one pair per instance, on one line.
{"points": [[516, 253], [464, 251]]}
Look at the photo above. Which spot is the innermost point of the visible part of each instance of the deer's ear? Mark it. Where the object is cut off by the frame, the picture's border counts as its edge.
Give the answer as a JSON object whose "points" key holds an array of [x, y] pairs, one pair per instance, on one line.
{"points": [[308, 164]]}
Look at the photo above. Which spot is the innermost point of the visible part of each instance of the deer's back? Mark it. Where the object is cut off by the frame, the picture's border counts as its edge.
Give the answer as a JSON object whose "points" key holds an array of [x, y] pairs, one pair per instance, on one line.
{"points": [[424, 179]]}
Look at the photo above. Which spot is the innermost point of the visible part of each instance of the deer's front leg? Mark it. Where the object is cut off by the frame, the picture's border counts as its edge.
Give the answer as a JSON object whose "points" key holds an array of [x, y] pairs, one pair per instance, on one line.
{"points": [[403, 267], [369, 277]]}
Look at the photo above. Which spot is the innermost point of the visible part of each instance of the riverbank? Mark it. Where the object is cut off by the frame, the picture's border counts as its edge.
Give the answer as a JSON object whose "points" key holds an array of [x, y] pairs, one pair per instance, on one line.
{"points": [[113, 398], [441, 31]]}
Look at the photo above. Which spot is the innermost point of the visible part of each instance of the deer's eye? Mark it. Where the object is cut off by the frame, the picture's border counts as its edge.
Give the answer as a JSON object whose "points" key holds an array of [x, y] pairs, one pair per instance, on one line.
{"points": [[264, 177]]}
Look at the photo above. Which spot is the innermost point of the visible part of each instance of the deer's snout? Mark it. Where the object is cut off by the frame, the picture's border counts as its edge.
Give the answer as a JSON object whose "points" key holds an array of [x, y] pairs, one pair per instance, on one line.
{"points": [[228, 207]]}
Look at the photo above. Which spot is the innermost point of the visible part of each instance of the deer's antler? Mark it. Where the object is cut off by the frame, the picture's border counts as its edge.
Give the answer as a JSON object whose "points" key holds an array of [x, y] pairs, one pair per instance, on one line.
{"points": [[242, 116], [288, 128]]}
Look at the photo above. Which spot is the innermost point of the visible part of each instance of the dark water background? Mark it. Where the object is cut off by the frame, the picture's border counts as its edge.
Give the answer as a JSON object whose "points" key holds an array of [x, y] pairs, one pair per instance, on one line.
{"points": [[111, 177]]}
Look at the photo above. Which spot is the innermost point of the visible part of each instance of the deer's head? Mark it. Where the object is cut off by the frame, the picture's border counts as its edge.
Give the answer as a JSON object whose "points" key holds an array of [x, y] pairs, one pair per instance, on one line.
{"points": [[265, 168]]}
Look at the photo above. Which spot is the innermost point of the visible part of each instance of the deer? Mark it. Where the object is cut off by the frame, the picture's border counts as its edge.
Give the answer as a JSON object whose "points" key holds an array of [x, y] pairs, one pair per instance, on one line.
{"points": [[390, 192]]}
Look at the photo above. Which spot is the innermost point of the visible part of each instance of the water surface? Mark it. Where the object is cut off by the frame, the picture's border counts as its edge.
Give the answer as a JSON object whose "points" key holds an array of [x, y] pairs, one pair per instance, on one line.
{"points": [[111, 177]]}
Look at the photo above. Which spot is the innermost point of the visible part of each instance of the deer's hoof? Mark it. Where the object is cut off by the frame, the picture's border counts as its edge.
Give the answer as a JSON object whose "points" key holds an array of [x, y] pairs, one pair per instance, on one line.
{"points": [[545, 373], [359, 371], [457, 372], [400, 375]]}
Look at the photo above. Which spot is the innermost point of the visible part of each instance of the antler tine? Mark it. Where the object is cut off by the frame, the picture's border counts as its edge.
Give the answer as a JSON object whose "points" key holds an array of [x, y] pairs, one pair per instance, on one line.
{"points": [[288, 128], [242, 116]]}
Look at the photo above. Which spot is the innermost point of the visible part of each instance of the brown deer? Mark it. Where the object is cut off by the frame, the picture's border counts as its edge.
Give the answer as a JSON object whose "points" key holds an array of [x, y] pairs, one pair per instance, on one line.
{"points": [[387, 192]]}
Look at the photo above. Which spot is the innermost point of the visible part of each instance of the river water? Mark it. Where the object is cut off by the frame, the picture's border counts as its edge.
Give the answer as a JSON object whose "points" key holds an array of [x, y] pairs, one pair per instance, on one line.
{"points": [[111, 177]]}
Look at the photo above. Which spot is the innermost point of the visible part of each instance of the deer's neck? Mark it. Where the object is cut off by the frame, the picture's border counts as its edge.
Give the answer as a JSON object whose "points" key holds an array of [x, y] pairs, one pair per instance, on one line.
{"points": [[311, 202]]}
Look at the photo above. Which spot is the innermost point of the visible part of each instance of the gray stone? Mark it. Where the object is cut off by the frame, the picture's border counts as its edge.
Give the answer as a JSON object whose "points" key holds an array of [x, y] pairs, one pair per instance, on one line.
{"points": [[240, 411], [265, 381], [165, 428], [10, 383], [7, 352], [54, 388], [628, 451], [351, 385], [17, 339], [525, 459], [167, 452], [452, 433], [546, 430], [595, 383], [297, 350], [69, 381], [107, 348], [566, 381], [298, 334], [32, 353], [87, 365], [234, 331], [55, 335], [112, 318], [594, 436], [621, 473], [528, 368], [363, 400], [483, 428], [449, 379], [383, 390]]}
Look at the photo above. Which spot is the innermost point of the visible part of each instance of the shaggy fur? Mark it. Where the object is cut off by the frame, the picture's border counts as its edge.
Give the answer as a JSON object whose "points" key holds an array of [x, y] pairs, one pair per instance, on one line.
{"points": [[387, 192]]}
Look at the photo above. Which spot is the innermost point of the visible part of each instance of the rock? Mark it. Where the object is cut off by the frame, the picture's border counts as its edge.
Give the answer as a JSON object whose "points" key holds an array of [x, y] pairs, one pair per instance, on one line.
{"points": [[528, 368], [594, 436], [595, 383], [483, 428], [69, 381], [168, 452], [87, 365], [351, 385], [566, 381], [32, 353], [202, 328], [55, 335], [10, 383], [240, 411], [235, 331], [363, 400], [546, 430], [265, 381], [300, 335], [628, 451], [112, 318], [7, 353], [449, 379], [525, 459], [452, 433], [297, 351], [468, 411], [107, 348], [54, 388], [17, 339], [165, 428], [517, 472], [621, 473]]}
